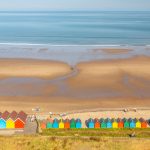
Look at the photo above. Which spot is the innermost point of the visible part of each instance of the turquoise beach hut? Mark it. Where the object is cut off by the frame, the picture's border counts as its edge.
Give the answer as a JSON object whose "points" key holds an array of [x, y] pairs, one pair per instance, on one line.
{"points": [[4, 117], [55, 123], [90, 123], [49, 123], [131, 123], [108, 123], [78, 124]]}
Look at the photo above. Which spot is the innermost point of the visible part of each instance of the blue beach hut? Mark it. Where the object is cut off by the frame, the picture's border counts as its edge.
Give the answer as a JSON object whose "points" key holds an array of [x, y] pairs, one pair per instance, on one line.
{"points": [[4, 117], [90, 123], [2, 123], [108, 123], [131, 123], [78, 124], [55, 123]]}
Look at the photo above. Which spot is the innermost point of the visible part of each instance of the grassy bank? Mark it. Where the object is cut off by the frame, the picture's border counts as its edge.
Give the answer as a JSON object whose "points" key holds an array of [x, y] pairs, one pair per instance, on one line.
{"points": [[141, 133], [74, 143]]}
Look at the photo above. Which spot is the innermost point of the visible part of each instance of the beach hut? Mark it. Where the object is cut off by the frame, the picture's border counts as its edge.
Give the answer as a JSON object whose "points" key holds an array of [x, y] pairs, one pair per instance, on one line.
{"points": [[78, 124], [132, 123], [103, 123], [120, 123], [114, 123], [20, 120], [49, 123], [72, 123], [96, 123], [67, 124], [90, 123], [43, 124], [55, 123], [126, 123], [108, 123], [4, 117], [137, 123], [10, 123], [144, 123], [61, 124]]}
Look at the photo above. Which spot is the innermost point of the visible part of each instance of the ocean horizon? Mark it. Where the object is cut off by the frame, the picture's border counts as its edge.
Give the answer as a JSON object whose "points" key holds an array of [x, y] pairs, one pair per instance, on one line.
{"points": [[75, 27]]}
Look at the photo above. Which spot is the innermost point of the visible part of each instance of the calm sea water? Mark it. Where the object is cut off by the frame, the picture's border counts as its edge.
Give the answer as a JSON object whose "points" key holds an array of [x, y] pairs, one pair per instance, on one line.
{"points": [[75, 28]]}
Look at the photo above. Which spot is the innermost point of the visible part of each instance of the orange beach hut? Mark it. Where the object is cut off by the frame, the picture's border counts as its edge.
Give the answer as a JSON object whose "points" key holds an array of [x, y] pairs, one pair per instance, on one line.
{"points": [[21, 120]]}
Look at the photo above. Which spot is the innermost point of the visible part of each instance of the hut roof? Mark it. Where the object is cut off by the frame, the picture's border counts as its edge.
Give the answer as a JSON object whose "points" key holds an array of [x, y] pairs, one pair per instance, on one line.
{"points": [[78, 120], [13, 115], [22, 115], [67, 120], [5, 115]]}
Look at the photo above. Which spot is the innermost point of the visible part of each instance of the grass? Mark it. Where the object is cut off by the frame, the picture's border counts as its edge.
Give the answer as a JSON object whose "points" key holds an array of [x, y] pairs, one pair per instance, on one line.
{"points": [[74, 143], [79, 139], [143, 133]]}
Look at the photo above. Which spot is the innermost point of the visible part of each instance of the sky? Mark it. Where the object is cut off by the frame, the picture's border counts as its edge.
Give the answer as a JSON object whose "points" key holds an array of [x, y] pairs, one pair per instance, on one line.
{"points": [[75, 5]]}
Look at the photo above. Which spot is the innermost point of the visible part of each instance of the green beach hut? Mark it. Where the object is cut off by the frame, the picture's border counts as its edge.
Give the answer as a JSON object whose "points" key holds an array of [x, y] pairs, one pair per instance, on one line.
{"points": [[103, 123], [72, 123], [126, 123]]}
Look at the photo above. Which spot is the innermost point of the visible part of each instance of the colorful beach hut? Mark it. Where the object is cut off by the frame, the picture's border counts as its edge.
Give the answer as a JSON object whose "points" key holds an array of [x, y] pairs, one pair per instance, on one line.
{"points": [[96, 123], [103, 123], [126, 123], [61, 124], [120, 123], [132, 123], [20, 120], [78, 124], [90, 123], [67, 124], [55, 123], [10, 123], [144, 123], [114, 123], [72, 123], [137, 123], [43, 124], [108, 123], [4, 117], [49, 123]]}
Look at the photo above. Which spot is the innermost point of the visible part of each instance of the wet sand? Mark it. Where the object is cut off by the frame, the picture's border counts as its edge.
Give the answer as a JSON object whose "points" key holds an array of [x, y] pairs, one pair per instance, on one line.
{"points": [[114, 50], [55, 86]]}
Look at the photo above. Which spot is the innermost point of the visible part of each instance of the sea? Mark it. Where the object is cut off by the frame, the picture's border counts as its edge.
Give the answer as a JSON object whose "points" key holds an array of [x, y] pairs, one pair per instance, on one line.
{"points": [[50, 34]]}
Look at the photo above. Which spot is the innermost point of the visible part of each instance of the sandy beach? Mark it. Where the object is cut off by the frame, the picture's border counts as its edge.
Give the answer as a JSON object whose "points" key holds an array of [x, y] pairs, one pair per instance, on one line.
{"points": [[32, 68], [55, 86]]}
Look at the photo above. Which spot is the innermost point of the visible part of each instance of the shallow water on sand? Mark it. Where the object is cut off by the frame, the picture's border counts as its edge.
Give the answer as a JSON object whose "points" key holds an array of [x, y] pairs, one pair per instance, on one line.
{"points": [[71, 54]]}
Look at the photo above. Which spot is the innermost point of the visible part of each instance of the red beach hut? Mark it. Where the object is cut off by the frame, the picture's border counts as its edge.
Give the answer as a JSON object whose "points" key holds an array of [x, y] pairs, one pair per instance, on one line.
{"points": [[120, 123], [96, 123], [67, 124], [143, 123], [21, 120]]}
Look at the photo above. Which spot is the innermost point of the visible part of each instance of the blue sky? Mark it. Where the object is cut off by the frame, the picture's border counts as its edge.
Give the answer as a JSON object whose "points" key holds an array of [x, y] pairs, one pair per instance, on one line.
{"points": [[74, 4]]}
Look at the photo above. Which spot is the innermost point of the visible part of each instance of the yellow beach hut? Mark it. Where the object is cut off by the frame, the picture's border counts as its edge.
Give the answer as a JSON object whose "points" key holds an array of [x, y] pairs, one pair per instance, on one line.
{"points": [[114, 123], [10, 123], [61, 124], [137, 123]]}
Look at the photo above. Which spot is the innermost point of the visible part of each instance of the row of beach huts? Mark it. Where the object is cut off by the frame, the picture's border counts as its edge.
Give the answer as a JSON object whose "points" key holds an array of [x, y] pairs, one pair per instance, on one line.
{"points": [[12, 120], [95, 123]]}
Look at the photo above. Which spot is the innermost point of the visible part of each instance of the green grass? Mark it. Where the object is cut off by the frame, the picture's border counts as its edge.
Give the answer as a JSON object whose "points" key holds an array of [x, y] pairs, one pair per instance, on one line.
{"points": [[97, 132]]}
